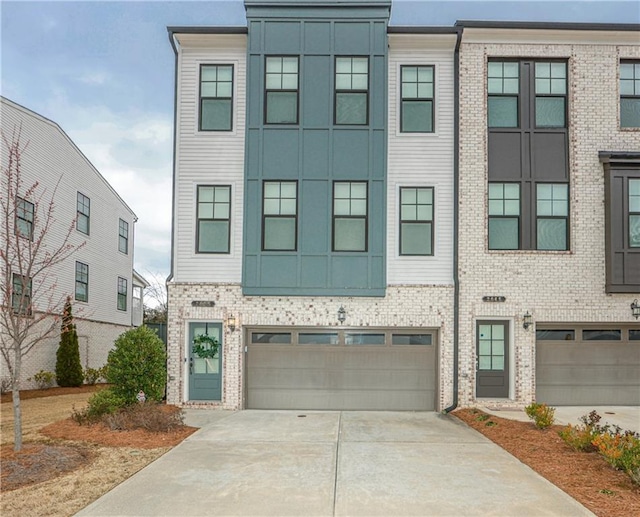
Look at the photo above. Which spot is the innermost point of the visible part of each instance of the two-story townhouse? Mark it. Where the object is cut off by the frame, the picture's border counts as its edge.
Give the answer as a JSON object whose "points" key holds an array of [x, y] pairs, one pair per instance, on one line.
{"points": [[105, 290], [313, 211], [549, 182]]}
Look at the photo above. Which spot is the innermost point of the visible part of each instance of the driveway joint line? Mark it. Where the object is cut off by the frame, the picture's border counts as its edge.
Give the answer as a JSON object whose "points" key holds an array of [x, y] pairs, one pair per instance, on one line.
{"points": [[335, 479]]}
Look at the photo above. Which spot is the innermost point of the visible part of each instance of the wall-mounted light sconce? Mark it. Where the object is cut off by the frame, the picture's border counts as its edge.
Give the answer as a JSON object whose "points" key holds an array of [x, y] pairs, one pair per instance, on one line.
{"points": [[231, 323], [635, 309], [527, 320], [342, 315]]}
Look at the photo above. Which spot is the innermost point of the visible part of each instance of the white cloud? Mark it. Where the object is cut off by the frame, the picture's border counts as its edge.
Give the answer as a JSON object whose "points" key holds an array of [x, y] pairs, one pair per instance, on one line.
{"points": [[96, 77]]}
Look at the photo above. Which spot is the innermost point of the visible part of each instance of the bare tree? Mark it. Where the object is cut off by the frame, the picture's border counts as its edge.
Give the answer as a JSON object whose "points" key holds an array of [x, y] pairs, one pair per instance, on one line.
{"points": [[29, 256], [155, 299]]}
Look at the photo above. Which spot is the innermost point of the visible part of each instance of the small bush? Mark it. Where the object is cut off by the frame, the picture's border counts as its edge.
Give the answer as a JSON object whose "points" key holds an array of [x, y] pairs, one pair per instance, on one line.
{"points": [[5, 385], [44, 379], [541, 414], [150, 416], [579, 437], [621, 450], [138, 362], [93, 375], [101, 403], [68, 367]]}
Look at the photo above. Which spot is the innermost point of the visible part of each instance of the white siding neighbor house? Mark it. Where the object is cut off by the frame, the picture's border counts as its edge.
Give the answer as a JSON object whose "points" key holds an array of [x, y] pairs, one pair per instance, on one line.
{"points": [[105, 291]]}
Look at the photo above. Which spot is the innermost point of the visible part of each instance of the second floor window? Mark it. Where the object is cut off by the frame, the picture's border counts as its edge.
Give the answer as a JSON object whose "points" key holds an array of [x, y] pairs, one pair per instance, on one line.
{"points": [[213, 219], [83, 213], [82, 282], [352, 91], [24, 218], [503, 87], [416, 221], [281, 92], [21, 295], [216, 97], [123, 236], [280, 216], [416, 115], [630, 94], [350, 216], [634, 213], [122, 294], [551, 94]]}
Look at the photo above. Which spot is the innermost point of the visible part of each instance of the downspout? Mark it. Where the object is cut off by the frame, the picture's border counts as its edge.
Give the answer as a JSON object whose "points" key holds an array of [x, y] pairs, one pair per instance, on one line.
{"points": [[456, 208], [175, 124]]}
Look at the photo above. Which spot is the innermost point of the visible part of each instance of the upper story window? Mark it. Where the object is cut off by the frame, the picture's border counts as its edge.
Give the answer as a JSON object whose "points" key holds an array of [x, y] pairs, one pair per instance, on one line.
{"points": [[216, 97], [21, 295], [350, 216], [83, 213], [416, 221], [279, 216], [630, 94], [82, 282], [213, 227], [552, 216], [551, 94], [24, 218], [503, 87], [122, 294], [351, 91], [123, 236], [416, 114], [504, 216], [281, 92]]}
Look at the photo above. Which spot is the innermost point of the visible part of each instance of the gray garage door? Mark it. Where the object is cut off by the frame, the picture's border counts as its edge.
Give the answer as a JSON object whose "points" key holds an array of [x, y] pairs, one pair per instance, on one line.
{"points": [[588, 365], [341, 370]]}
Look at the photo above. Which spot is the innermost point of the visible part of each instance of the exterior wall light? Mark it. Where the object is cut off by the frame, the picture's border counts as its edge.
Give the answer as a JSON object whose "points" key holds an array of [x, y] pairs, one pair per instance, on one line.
{"points": [[635, 309], [342, 315], [527, 320], [231, 323]]}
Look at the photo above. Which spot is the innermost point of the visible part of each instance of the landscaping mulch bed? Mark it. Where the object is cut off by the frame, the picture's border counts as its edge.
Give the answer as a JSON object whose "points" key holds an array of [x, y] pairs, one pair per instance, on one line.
{"points": [[586, 477], [51, 392]]}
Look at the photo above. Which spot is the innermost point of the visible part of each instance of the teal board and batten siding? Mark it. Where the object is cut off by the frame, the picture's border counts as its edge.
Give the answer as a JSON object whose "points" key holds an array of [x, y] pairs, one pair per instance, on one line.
{"points": [[315, 152]]}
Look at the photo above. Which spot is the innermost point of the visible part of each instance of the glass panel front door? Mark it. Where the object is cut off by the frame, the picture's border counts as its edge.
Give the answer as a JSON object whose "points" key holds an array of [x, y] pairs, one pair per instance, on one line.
{"points": [[205, 356], [492, 370]]}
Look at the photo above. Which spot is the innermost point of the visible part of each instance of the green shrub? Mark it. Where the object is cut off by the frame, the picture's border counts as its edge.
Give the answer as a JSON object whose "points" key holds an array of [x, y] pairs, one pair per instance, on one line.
{"points": [[138, 362], [93, 375], [68, 367], [44, 379], [101, 403], [541, 414], [580, 437], [621, 450]]}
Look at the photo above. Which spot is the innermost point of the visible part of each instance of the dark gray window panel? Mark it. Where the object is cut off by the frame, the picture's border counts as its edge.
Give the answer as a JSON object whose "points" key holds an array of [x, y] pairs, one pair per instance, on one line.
{"points": [[555, 335], [623, 256], [213, 219], [601, 335], [82, 282], [24, 218], [356, 338], [318, 338], [281, 338], [630, 94], [216, 97], [412, 339], [83, 213]]}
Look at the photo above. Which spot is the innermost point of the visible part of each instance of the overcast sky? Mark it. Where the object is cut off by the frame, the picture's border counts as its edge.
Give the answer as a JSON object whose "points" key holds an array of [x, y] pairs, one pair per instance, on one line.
{"points": [[104, 72]]}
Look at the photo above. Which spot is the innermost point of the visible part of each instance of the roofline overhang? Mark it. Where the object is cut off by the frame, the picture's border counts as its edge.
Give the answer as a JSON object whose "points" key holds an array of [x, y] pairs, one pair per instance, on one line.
{"points": [[474, 24]]}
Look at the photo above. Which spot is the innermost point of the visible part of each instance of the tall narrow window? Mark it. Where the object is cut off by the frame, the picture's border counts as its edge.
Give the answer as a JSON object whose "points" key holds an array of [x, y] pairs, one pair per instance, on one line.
{"points": [[349, 216], [21, 295], [630, 94], [122, 294], [551, 94], [24, 218], [416, 115], [82, 282], [281, 92], [123, 236], [213, 219], [416, 221], [279, 216], [504, 216], [216, 97], [503, 86], [83, 213], [352, 90], [634, 213], [552, 212]]}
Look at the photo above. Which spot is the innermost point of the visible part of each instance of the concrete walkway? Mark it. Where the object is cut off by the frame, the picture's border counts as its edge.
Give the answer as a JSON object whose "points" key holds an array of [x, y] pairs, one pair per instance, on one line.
{"points": [[265, 463]]}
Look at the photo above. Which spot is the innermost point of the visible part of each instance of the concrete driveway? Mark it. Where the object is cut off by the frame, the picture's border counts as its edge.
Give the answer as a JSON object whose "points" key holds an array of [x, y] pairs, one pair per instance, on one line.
{"points": [[334, 463]]}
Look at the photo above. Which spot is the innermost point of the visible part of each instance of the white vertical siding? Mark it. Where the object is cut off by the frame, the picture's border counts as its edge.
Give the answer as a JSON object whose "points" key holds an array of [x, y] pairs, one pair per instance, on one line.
{"points": [[208, 158], [51, 157], [423, 160]]}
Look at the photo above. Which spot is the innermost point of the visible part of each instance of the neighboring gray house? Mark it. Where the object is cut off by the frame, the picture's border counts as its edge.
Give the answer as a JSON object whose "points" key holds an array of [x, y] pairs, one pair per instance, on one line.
{"points": [[106, 292], [334, 190]]}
